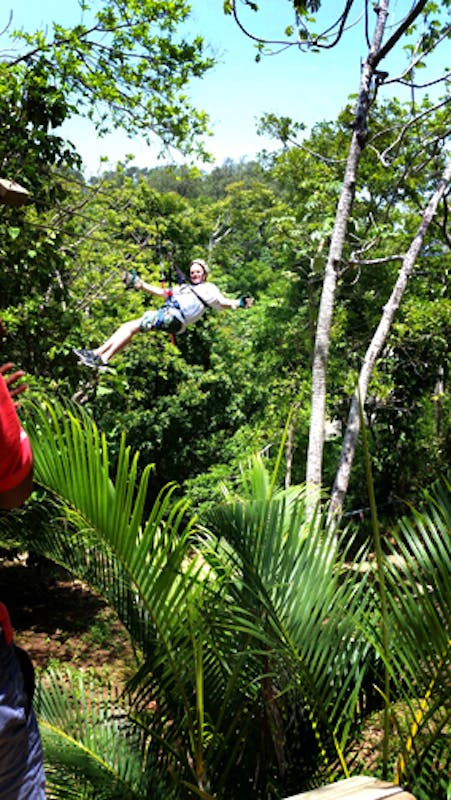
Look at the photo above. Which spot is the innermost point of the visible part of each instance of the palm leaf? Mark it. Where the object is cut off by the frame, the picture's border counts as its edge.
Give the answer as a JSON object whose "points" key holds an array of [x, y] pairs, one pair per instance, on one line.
{"points": [[251, 628], [140, 565], [91, 743], [294, 604], [419, 580], [417, 570]]}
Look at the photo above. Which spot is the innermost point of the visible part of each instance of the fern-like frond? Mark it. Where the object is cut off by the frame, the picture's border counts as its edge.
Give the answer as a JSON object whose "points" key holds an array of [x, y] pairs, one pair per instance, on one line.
{"points": [[91, 741]]}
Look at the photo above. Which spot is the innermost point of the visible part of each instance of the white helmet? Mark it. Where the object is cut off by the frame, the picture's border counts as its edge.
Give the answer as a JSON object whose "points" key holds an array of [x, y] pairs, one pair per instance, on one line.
{"points": [[202, 264]]}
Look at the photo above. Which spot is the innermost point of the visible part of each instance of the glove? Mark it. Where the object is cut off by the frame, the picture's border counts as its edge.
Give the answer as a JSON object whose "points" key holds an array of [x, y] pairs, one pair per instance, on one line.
{"points": [[246, 302], [129, 278]]}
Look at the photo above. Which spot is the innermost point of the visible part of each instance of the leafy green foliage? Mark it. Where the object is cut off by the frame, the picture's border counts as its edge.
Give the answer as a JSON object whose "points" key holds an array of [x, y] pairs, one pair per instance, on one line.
{"points": [[33, 279], [226, 389], [259, 646], [99, 751], [254, 635], [124, 65]]}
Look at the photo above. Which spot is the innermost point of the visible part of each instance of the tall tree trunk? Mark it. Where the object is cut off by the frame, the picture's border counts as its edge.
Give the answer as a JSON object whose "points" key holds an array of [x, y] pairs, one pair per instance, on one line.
{"points": [[324, 321], [439, 391], [353, 426], [376, 54], [289, 450]]}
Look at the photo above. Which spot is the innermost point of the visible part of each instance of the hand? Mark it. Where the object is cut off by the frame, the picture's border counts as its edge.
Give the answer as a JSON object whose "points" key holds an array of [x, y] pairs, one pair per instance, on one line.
{"points": [[131, 279], [246, 302], [10, 380]]}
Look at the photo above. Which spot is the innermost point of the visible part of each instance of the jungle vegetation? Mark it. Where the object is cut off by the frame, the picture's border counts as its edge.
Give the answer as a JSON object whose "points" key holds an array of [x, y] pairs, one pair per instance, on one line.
{"points": [[275, 603]]}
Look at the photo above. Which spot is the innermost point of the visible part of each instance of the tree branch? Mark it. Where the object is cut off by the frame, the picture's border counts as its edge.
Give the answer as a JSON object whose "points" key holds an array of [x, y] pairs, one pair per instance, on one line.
{"points": [[382, 52], [370, 261], [415, 61], [406, 127], [325, 313]]}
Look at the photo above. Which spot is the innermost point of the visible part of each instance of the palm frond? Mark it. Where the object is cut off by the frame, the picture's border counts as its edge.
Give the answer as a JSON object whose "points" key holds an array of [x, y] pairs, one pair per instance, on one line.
{"points": [[91, 741], [141, 565], [293, 603], [417, 574], [256, 632]]}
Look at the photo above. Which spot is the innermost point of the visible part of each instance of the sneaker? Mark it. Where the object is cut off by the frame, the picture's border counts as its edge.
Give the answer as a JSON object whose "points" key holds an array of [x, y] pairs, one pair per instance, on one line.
{"points": [[81, 353], [91, 359]]}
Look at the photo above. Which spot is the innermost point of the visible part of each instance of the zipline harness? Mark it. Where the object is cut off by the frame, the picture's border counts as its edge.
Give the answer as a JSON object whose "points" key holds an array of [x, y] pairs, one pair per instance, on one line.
{"points": [[129, 278]]}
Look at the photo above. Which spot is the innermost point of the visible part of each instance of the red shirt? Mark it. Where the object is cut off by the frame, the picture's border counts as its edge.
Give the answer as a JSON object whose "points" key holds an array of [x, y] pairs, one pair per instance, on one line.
{"points": [[5, 625], [15, 451]]}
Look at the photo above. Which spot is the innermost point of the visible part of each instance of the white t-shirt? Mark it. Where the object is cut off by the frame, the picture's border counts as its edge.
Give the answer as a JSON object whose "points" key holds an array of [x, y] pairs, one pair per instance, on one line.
{"points": [[192, 307]]}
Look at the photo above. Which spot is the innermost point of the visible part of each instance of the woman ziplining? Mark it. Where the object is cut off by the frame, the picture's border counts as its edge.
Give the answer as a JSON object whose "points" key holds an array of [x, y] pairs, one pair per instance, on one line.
{"points": [[184, 304]]}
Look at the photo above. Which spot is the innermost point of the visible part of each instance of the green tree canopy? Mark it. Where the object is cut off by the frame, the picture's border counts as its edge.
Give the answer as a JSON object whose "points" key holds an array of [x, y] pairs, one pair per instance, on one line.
{"points": [[124, 65]]}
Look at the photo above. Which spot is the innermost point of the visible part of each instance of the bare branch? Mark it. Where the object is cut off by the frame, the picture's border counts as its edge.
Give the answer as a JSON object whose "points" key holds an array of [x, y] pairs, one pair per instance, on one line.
{"points": [[8, 24], [319, 156], [406, 127], [399, 32], [370, 261], [221, 231], [444, 227], [412, 121], [342, 22], [302, 43], [442, 79], [252, 36], [413, 63]]}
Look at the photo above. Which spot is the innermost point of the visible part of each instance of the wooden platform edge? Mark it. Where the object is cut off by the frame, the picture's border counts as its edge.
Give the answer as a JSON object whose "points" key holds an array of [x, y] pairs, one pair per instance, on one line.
{"points": [[360, 787]]}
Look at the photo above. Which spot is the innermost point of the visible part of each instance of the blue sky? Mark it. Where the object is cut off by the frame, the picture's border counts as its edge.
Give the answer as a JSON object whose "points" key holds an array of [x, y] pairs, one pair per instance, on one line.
{"points": [[308, 87]]}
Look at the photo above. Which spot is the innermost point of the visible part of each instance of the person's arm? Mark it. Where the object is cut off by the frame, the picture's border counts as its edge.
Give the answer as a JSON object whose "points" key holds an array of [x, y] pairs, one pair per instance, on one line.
{"points": [[14, 498], [150, 288], [16, 458], [229, 302], [220, 302]]}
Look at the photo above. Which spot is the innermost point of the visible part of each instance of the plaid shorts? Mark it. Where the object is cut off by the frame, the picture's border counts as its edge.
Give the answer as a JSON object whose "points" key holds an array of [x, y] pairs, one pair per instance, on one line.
{"points": [[21, 769], [163, 319]]}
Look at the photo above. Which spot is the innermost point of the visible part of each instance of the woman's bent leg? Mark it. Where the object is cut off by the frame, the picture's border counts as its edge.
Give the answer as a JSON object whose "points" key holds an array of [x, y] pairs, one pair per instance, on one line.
{"points": [[119, 339]]}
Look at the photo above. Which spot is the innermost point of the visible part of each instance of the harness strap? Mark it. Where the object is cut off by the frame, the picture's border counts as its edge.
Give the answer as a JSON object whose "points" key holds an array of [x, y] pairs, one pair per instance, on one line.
{"points": [[181, 280], [204, 303], [171, 302]]}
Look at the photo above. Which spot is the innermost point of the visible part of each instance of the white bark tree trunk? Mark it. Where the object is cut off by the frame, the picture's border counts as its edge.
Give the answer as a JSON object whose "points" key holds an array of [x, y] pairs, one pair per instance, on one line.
{"points": [[325, 312], [376, 54], [353, 425]]}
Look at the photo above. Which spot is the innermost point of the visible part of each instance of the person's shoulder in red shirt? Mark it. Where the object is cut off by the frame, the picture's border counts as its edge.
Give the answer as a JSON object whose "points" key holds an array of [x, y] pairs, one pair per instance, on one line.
{"points": [[16, 459]]}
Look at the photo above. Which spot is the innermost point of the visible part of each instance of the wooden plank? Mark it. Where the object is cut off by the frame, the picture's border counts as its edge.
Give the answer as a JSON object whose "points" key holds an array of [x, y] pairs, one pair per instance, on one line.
{"points": [[360, 787], [405, 796]]}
